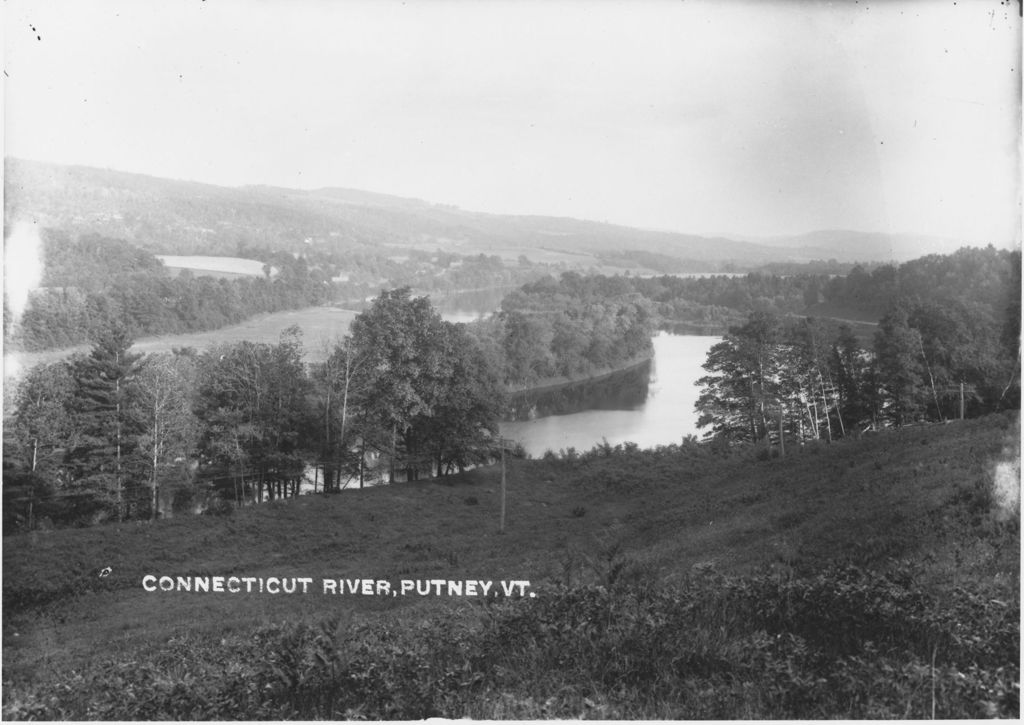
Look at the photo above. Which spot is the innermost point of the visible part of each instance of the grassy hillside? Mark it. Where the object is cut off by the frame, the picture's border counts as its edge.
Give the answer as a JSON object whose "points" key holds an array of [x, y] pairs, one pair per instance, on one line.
{"points": [[869, 578]]}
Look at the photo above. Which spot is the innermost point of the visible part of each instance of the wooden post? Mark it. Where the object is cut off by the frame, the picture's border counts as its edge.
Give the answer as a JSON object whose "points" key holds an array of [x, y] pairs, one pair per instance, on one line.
{"points": [[782, 441], [961, 400]]}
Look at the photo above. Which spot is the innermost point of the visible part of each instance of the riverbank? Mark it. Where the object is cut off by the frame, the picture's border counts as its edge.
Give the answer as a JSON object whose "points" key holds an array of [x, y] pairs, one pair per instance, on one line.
{"points": [[546, 385], [650, 403]]}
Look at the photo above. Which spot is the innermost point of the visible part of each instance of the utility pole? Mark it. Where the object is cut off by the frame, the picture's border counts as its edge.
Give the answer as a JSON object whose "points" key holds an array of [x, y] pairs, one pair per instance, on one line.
{"points": [[503, 442], [961, 400]]}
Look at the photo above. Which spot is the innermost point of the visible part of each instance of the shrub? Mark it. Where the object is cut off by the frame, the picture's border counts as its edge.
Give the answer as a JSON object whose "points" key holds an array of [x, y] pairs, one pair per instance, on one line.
{"points": [[219, 507]]}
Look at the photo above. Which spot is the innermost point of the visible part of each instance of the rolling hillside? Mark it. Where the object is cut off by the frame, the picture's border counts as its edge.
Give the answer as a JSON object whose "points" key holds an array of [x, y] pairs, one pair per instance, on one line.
{"points": [[870, 578], [181, 217]]}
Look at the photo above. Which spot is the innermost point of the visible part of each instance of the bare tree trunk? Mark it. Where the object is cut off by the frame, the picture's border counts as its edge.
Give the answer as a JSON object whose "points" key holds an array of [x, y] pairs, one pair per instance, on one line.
{"points": [[394, 433], [931, 379], [32, 488], [362, 460], [839, 411], [824, 402], [156, 456]]}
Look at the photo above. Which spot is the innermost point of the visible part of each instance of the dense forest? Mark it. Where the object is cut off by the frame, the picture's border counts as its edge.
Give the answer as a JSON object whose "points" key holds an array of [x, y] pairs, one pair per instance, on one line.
{"points": [[115, 435], [947, 346], [570, 327], [979, 281], [91, 282]]}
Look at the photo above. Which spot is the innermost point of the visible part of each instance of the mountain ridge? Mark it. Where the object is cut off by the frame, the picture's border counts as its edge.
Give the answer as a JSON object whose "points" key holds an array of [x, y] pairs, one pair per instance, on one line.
{"points": [[175, 216]]}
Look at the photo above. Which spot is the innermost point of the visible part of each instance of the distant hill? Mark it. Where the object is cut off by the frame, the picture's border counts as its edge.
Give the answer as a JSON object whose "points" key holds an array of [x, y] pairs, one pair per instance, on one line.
{"points": [[183, 217], [845, 245]]}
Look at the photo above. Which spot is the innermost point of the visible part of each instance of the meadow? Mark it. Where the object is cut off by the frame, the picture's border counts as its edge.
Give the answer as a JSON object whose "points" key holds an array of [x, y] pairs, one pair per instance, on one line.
{"points": [[320, 327], [868, 578], [223, 267]]}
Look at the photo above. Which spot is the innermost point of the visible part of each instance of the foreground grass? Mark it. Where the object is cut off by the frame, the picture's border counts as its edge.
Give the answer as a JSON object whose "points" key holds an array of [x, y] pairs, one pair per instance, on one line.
{"points": [[872, 578], [843, 644]]}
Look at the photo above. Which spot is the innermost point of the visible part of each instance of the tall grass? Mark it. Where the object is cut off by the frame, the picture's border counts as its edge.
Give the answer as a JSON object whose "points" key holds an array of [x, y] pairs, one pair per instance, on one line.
{"points": [[844, 643]]}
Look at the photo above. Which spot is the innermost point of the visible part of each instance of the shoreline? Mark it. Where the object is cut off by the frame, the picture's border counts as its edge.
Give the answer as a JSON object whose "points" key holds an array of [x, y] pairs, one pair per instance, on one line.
{"points": [[562, 381]]}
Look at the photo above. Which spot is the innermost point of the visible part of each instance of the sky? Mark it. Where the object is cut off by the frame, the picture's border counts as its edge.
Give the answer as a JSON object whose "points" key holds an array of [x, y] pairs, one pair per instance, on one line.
{"points": [[753, 118]]}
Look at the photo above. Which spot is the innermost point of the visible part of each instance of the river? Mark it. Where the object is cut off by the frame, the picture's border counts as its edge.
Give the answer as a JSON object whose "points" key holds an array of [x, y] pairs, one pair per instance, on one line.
{"points": [[649, 406]]}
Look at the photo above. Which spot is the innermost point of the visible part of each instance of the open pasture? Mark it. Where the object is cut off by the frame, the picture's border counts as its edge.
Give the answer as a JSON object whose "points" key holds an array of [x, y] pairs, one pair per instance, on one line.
{"points": [[203, 266], [320, 325]]}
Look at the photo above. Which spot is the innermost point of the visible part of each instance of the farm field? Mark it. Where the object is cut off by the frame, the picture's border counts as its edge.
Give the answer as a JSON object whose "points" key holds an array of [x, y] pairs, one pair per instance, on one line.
{"points": [[319, 326], [226, 267], [816, 585]]}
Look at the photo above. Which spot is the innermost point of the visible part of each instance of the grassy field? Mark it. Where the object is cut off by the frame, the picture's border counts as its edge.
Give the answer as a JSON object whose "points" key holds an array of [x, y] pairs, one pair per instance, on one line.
{"points": [[224, 267], [868, 578], [319, 325]]}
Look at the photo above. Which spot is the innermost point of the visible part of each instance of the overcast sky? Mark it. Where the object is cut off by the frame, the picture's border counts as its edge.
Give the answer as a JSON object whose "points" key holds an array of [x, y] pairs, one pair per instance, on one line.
{"points": [[757, 118]]}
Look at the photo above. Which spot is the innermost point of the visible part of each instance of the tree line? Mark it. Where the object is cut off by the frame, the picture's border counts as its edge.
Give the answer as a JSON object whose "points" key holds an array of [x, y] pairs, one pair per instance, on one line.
{"points": [[712, 304], [113, 435], [951, 355], [568, 327], [92, 282]]}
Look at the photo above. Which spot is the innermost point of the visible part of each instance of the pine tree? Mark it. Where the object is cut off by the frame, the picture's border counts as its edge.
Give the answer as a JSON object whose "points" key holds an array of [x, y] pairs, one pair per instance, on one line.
{"points": [[104, 460]]}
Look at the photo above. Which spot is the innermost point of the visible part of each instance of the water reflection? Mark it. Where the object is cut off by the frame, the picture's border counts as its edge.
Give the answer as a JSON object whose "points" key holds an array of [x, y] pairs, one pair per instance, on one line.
{"points": [[651, 407], [622, 390]]}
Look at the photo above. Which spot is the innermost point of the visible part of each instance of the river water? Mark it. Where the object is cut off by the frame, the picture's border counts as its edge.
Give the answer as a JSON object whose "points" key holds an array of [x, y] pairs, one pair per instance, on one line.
{"points": [[650, 406]]}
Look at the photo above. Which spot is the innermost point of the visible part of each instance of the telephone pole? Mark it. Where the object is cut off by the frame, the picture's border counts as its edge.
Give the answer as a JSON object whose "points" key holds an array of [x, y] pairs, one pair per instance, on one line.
{"points": [[504, 442]]}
